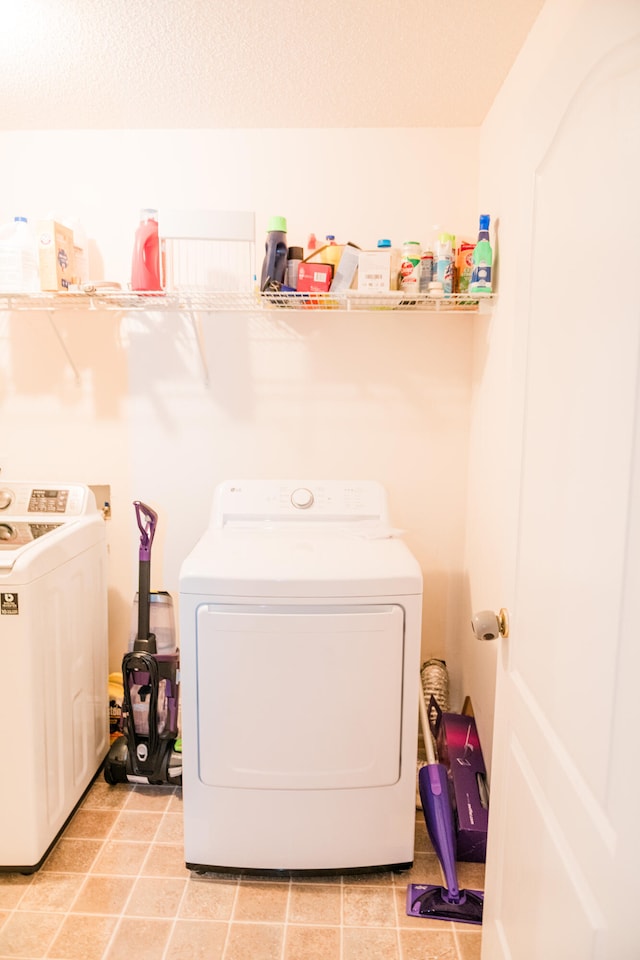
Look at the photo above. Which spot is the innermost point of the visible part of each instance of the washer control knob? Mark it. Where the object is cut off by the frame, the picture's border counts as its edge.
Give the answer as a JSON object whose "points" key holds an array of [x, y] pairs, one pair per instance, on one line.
{"points": [[6, 532], [6, 499], [302, 498]]}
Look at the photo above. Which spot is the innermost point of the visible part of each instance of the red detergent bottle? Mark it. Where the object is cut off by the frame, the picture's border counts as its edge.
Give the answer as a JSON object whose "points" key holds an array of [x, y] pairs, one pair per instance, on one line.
{"points": [[145, 263]]}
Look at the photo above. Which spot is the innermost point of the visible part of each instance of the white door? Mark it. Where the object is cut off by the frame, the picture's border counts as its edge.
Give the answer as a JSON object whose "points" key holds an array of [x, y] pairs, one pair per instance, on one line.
{"points": [[564, 850]]}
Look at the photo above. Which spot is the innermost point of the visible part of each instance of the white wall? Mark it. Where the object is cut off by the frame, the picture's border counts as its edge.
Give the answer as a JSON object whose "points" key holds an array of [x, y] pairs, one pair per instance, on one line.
{"points": [[376, 395]]}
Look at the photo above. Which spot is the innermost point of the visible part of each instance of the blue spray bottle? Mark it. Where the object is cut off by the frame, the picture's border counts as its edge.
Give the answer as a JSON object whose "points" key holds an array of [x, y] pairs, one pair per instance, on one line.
{"points": [[482, 259]]}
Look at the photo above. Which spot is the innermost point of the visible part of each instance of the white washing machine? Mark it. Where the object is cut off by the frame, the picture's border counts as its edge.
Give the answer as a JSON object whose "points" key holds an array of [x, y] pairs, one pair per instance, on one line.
{"points": [[300, 613], [54, 656]]}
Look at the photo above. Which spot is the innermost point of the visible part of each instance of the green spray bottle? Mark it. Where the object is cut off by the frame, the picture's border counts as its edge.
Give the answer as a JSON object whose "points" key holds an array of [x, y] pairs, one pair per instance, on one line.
{"points": [[482, 259]]}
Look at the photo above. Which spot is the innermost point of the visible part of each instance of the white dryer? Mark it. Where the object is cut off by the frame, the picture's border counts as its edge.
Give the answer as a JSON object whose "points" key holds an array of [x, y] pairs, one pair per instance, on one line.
{"points": [[300, 613], [53, 623]]}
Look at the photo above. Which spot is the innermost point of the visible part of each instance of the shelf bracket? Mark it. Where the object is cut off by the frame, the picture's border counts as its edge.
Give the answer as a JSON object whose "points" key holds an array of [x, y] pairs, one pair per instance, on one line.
{"points": [[76, 372]]}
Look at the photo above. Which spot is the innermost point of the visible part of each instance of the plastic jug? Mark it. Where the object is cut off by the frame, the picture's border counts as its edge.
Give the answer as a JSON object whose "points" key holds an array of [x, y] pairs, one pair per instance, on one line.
{"points": [[145, 263], [275, 252], [19, 271]]}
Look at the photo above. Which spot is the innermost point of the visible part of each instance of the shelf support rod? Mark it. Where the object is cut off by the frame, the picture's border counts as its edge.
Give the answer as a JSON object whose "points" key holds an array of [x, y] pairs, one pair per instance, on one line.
{"points": [[197, 330], [76, 372]]}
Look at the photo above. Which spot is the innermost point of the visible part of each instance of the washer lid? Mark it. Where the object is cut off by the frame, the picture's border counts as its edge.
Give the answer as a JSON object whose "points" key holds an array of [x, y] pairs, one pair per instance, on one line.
{"points": [[28, 557], [299, 560]]}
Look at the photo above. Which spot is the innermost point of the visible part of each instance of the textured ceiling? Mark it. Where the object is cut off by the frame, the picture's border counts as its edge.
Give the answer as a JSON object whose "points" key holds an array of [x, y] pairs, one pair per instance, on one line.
{"points": [[257, 63]]}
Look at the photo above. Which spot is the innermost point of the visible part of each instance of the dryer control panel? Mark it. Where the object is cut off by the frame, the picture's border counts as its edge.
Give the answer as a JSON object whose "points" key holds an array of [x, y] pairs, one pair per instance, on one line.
{"points": [[322, 500]]}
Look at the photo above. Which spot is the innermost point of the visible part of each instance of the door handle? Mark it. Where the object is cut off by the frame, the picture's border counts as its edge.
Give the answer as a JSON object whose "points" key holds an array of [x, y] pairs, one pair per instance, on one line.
{"points": [[488, 625]]}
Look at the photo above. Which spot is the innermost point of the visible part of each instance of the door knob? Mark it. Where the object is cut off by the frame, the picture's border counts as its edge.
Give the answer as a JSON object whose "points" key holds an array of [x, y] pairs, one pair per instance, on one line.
{"points": [[488, 625]]}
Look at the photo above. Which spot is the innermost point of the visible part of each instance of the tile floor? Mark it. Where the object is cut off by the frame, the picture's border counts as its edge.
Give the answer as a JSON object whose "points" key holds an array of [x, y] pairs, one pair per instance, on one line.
{"points": [[116, 886]]}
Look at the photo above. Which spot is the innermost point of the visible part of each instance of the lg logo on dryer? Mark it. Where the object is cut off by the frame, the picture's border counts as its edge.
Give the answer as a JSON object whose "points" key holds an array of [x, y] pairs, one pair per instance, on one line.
{"points": [[9, 604]]}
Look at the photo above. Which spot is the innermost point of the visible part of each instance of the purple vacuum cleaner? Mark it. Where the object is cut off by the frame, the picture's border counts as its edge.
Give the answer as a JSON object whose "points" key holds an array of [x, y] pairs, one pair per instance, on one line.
{"points": [[430, 900], [149, 751]]}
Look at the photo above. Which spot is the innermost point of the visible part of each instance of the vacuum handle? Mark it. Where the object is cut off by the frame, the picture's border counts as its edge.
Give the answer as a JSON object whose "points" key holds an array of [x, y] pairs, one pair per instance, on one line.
{"points": [[147, 520]]}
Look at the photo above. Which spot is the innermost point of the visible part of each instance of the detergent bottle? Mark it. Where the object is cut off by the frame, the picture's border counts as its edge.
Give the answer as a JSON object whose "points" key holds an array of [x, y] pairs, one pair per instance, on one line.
{"points": [[274, 264], [145, 263], [18, 257]]}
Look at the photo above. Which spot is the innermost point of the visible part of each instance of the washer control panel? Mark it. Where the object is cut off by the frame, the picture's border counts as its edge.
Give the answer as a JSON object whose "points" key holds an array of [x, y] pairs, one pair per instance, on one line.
{"points": [[61, 500], [322, 500]]}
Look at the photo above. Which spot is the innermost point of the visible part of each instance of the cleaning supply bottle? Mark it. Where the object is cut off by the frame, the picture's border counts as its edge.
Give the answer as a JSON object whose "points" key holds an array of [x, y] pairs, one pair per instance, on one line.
{"points": [[482, 259], [409, 276], [145, 263], [332, 252], [443, 263], [19, 271], [295, 256], [394, 269], [274, 264]]}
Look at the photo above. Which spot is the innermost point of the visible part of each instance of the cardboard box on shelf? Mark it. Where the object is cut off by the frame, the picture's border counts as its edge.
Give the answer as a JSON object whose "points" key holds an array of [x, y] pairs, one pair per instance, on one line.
{"points": [[55, 252], [314, 277], [374, 270], [345, 274]]}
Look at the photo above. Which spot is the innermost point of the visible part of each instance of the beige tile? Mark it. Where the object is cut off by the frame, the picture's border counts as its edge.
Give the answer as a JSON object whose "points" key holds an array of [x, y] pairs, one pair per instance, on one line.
{"points": [[471, 875], [382, 878], [315, 904], [82, 938], [426, 869], [72, 856], [197, 940], [422, 842], [165, 860], [27, 934], [106, 895], [171, 829], [469, 943], [261, 901], [105, 795], [258, 941], [120, 857], [175, 802], [150, 798], [142, 939], [208, 899], [428, 945], [155, 897], [368, 907], [372, 943], [12, 888], [135, 825], [312, 943], [51, 892], [91, 824]]}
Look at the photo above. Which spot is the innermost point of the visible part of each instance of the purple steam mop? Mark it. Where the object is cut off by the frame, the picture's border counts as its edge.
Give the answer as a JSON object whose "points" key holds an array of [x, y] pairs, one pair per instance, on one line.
{"points": [[149, 751], [430, 900]]}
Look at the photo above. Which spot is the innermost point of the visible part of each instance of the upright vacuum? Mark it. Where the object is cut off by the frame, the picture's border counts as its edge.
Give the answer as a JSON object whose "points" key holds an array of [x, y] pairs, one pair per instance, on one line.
{"points": [[149, 750]]}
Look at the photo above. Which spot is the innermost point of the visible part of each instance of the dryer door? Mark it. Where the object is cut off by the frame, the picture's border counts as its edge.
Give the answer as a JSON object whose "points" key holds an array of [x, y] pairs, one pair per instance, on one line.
{"points": [[299, 697]]}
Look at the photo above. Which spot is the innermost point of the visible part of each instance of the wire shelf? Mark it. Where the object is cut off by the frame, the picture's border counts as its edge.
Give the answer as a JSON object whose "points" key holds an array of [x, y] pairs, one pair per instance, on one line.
{"points": [[235, 302]]}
